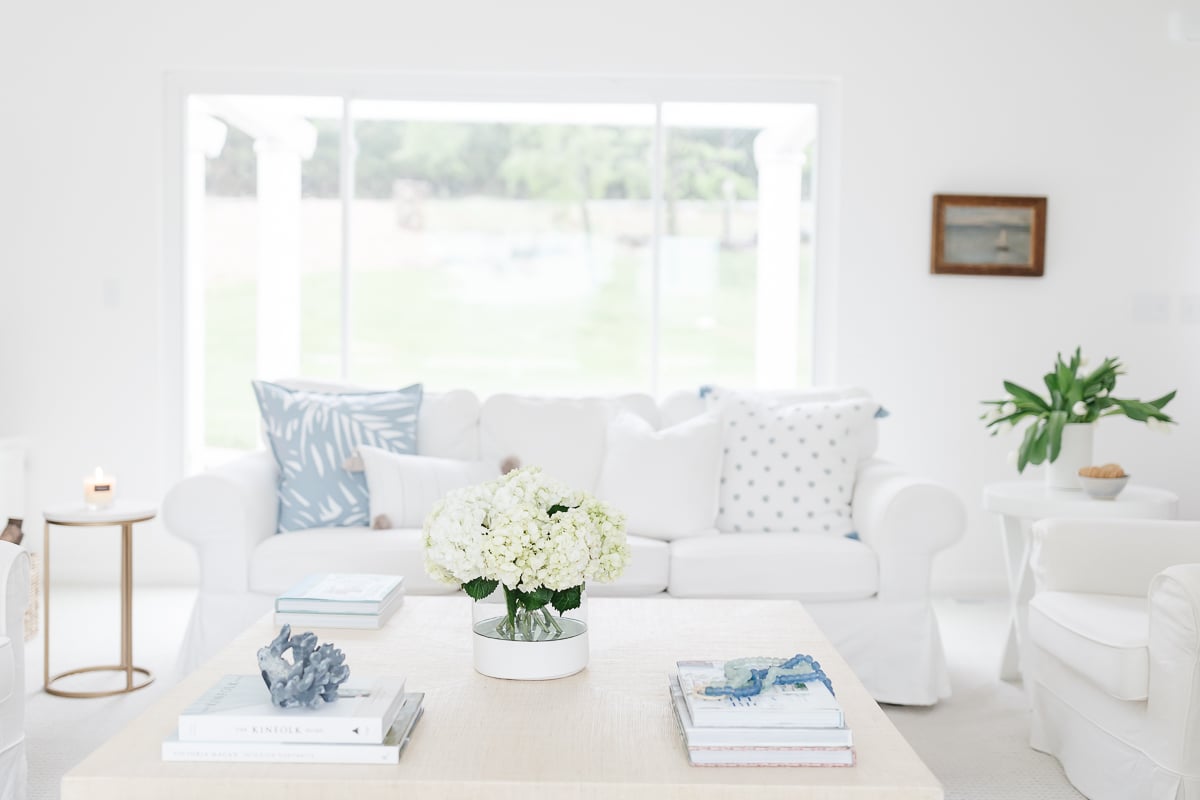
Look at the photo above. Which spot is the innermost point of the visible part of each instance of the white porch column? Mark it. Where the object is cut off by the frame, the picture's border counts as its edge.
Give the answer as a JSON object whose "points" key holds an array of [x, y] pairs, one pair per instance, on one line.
{"points": [[206, 139], [278, 297], [779, 156]]}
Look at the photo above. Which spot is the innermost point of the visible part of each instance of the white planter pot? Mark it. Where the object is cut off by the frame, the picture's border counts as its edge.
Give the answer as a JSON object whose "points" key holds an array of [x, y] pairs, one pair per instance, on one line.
{"points": [[1063, 472]]}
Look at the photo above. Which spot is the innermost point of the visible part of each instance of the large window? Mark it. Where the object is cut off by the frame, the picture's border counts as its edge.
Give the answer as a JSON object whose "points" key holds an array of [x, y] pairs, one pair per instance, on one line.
{"points": [[528, 247]]}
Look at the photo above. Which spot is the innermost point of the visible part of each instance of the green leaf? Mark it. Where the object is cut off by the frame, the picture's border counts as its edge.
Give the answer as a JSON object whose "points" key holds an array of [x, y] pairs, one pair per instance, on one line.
{"points": [[566, 599], [1026, 443], [1162, 401], [1054, 431], [535, 599], [555, 509], [1037, 449], [1024, 395], [479, 588], [1136, 410], [510, 600]]}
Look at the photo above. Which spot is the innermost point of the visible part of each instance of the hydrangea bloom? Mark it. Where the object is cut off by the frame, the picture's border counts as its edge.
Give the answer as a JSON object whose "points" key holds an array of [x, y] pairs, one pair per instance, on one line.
{"points": [[525, 531]]}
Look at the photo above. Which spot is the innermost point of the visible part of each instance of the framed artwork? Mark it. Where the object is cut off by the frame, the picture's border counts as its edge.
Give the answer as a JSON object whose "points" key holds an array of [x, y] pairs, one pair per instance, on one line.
{"points": [[984, 235]]}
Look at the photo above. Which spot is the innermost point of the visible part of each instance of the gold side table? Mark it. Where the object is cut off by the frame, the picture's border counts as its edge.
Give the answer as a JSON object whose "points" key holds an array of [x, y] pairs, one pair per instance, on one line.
{"points": [[123, 514]]}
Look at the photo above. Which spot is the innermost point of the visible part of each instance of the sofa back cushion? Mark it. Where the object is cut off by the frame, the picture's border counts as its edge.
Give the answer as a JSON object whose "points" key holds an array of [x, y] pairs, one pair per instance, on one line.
{"points": [[313, 433], [447, 425], [665, 481], [680, 405], [565, 436]]}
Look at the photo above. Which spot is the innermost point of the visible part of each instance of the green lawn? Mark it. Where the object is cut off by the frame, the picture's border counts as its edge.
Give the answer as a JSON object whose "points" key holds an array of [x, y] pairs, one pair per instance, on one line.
{"points": [[450, 327]]}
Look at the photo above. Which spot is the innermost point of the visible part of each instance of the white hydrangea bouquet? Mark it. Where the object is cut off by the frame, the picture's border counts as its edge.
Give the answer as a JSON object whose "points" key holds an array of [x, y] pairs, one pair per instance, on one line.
{"points": [[539, 540]]}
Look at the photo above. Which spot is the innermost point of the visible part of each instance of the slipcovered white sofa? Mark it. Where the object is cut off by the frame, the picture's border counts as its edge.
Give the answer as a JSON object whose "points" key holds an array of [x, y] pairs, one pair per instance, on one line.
{"points": [[870, 594], [14, 595], [1113, 668]]}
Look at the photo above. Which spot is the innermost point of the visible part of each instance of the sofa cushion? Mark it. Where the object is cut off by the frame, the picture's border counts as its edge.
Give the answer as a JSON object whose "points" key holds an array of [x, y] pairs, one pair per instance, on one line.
{"points": [[404, 488], [790, 467], [1103, 637], [646, 573], [562, 435], [311, 436], [665, 481], [802, 566], [280, 561]]}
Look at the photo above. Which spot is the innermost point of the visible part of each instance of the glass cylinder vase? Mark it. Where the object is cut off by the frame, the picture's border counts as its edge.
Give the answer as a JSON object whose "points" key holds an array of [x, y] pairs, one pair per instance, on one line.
{"points": [[528, 644]]}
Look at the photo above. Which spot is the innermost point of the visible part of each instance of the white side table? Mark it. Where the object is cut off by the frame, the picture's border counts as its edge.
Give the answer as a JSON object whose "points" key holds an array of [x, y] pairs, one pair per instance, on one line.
{"points": [[1020, 504], [123, 513]]}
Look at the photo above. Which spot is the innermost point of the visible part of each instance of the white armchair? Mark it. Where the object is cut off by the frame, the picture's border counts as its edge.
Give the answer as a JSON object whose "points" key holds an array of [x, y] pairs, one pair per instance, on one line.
{"points": [[14, 594], [1113, 667]]}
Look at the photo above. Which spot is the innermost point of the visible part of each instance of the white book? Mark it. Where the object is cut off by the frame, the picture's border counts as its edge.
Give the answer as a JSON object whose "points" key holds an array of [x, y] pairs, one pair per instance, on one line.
{"points": [[721, 737], [804, 705], [758, 756], [358, 593], [330, 619], [388, 752], [238, 709]]}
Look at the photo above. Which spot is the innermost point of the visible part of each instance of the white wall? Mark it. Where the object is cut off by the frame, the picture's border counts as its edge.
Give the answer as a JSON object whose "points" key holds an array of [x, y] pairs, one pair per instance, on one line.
{"points": [[1088, 103]]}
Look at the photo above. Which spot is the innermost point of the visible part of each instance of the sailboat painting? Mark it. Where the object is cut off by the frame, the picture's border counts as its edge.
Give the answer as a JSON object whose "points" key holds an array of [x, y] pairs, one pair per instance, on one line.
{"points": [[989, 235]]}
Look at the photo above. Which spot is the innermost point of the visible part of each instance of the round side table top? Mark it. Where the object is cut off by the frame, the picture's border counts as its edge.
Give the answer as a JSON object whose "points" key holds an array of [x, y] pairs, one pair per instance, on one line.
{"points": [[1035, 499], [119, 513]]}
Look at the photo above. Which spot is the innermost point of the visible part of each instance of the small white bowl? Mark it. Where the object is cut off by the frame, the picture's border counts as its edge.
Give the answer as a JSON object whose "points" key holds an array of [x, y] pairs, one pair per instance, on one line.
{"points": [[1103, 488]]}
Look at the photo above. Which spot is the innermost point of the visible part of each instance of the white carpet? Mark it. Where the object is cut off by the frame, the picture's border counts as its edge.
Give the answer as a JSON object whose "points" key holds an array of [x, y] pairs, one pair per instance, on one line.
{"points": [[976, 742]]}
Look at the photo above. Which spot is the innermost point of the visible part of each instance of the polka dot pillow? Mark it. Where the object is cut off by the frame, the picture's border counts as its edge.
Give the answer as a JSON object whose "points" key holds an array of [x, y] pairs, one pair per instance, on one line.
{"points": [[789, 468]]}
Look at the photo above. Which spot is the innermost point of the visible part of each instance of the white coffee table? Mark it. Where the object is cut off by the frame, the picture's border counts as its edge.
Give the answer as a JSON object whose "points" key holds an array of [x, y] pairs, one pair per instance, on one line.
{"points": [[1020, 504], [606, 732]]}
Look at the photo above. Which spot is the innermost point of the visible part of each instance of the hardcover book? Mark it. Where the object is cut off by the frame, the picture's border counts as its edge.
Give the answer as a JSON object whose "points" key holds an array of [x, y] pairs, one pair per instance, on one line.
{"points": [[333, 619], [773, 737], [238, 709], [803, 705], [759, 756], [387, 752], [358, 593]]}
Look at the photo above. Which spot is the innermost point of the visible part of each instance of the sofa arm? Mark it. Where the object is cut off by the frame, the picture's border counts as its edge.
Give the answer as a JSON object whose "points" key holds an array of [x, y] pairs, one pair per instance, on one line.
{"points": [[906, 521], [1173, 704], [1109, 556], [225, 513]]}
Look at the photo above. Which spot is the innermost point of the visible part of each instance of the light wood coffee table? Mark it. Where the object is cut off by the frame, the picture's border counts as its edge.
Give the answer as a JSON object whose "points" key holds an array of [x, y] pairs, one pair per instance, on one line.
{"points": [[605, 733]]}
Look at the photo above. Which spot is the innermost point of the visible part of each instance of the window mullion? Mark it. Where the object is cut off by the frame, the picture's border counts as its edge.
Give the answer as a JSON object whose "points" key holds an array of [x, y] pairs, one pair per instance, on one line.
{"points": [[346, 155], [656, 202]]}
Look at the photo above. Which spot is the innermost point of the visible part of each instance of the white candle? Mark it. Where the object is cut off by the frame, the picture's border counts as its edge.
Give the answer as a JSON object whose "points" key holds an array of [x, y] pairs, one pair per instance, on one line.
{"points": [[99, 489]]}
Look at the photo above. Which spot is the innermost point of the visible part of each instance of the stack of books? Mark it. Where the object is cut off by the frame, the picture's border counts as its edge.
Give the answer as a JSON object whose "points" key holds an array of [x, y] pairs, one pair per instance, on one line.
{"points": [[340, 601], [797, 725], [235, 721]]}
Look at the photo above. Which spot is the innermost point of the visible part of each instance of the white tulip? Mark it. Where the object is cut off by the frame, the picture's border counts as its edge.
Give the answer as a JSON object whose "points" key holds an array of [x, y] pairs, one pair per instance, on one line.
{"points": [[1102, 393], [1008, 409], [1080, 409], [1083, 361], [1012, 458]]}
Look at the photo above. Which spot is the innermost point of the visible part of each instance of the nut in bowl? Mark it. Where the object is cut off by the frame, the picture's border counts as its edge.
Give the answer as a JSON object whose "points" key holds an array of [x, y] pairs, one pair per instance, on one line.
{"points": [[1104, 482]]}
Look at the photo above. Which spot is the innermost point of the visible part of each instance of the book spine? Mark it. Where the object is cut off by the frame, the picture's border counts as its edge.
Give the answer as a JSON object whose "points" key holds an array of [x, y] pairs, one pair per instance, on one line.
{"points": [[279, 753], [275, 730]]}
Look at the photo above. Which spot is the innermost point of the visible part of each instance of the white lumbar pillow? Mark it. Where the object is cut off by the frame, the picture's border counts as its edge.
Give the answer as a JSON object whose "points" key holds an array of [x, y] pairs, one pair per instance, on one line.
{"points": [[404, 488], [789, 468], [665, 482]]}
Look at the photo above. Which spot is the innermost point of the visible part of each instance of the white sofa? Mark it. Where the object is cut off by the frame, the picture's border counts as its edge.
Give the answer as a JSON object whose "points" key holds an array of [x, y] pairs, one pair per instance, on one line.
{"points": [[14, 595], [870, 595], [1113, 668]]}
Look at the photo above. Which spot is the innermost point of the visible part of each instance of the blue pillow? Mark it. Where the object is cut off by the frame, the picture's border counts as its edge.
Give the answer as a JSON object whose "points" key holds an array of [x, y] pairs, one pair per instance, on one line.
{"points": [[313, 433]]}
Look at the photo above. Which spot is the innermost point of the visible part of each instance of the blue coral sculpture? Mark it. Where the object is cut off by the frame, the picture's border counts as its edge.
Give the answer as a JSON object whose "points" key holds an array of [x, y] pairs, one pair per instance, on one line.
{"points": [[311, 678]]}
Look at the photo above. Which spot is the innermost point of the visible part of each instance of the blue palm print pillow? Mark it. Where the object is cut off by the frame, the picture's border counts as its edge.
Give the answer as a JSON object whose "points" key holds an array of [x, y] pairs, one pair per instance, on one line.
{"points": [[313, 433]]}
